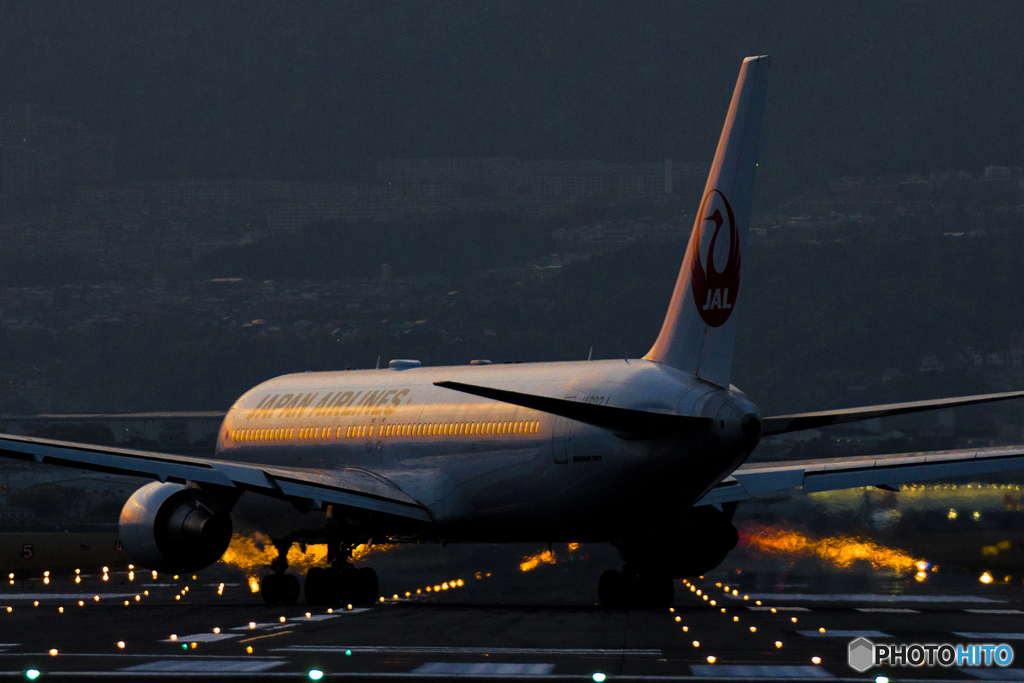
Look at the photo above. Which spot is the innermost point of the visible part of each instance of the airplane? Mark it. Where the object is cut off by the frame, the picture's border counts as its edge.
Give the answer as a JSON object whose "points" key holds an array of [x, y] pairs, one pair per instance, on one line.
{"points": [[647, 454]]}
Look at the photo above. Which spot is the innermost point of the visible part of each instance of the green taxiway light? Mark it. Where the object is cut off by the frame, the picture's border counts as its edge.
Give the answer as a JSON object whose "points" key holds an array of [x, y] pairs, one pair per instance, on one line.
{"points": [[881, 679], [348, 653], [32, 674], [599, 677], [315, 674]]}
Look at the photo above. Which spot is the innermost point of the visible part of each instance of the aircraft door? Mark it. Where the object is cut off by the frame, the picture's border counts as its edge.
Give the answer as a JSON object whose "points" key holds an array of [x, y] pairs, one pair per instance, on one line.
{"points": [[562, 438]]}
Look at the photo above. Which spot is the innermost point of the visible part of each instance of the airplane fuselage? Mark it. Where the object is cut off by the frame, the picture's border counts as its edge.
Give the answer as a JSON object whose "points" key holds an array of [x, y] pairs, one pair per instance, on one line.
{"points": [[489, 469]]}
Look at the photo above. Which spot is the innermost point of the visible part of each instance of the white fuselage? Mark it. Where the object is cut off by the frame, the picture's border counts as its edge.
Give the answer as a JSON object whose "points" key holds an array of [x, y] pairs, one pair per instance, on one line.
{"points": [[486, 469]]}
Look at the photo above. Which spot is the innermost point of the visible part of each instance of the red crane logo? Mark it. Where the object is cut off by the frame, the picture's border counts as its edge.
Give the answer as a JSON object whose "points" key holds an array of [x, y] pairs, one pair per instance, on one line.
{"points": [[714, 291]]}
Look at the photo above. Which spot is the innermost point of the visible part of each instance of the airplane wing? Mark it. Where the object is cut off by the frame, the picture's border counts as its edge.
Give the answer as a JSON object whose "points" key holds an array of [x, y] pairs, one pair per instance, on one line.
{"points": [[795, 423], [626, 420], [307, 488], [869, 470]]}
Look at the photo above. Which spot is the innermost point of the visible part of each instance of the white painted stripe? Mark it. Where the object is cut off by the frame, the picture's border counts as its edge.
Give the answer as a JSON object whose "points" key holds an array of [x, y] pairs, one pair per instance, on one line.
{"points": [[482, 669], [203, 666], [268, 626], [758, 671], [430, 650], [842, 633], [870, 597], [994, 611], [65, 596], [887, 610], [994, 637], [324, 617], [201, 638], [275, 625], [779, 609]]}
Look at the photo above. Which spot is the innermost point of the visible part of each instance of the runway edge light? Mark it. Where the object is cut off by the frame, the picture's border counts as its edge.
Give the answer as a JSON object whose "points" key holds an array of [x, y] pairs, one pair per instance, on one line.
{"points": [[598, 677], [32, 674], [315, 674]]}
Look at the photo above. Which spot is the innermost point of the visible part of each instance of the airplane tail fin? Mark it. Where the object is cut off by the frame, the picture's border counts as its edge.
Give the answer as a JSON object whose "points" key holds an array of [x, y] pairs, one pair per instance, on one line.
{"points": [[699, 331]]}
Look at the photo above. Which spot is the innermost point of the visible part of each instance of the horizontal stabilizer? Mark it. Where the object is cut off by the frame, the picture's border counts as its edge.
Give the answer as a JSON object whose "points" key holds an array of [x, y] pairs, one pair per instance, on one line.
{"points": [[868, 470], [801, 421], [624, 420]]}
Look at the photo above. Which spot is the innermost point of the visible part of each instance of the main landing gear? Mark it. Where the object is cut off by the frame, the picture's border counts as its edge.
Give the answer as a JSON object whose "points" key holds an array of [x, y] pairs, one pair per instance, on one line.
{"points": [[280, 588], [347, 585], [338, 584], [620, 590]]}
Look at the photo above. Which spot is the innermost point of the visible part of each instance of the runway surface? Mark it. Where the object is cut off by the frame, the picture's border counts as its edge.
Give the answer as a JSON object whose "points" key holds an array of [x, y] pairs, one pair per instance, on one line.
{"points": [[495, 620]]}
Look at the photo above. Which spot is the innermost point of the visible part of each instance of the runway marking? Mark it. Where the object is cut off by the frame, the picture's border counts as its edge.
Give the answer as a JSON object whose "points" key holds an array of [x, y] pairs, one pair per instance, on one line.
{"points": [[431, 650], [994, 611], [870, 597], [977, 635], [779, 609], [266, 635], [201, 638], [996, 674], [269, 626], [482, 669], [888, 610], [276, 625], [203, 666], [758, 671], [64, 596], [841, 633]]}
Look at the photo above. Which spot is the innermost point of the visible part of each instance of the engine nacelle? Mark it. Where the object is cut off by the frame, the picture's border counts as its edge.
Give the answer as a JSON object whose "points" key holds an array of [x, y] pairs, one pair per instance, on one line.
{"points": [[164, 527]]}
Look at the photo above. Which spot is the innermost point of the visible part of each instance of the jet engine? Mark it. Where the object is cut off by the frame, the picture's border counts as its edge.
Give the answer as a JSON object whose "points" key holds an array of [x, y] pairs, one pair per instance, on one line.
{"points": [[165, 527]]}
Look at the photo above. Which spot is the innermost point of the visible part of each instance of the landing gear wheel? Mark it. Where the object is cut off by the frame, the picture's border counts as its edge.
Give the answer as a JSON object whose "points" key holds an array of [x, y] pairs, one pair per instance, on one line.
{"points": [[611, 589], [368, 589], [618, 590], [280, 589], [323, 587], [270, 589], [290, 589], [653, 591], [359, 586]]}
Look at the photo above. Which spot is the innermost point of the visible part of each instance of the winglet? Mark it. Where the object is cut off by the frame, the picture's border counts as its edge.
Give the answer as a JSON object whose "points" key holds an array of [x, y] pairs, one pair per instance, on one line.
{"points": [[699, 331]]}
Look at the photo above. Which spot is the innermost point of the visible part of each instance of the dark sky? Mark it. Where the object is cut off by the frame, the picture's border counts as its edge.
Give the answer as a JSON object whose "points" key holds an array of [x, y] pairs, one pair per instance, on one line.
{"points": [[320, 90]]}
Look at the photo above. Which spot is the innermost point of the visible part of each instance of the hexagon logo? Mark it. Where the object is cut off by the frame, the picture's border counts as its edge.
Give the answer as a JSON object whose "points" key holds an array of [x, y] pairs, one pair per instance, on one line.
{"points": [[861, 654]]}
